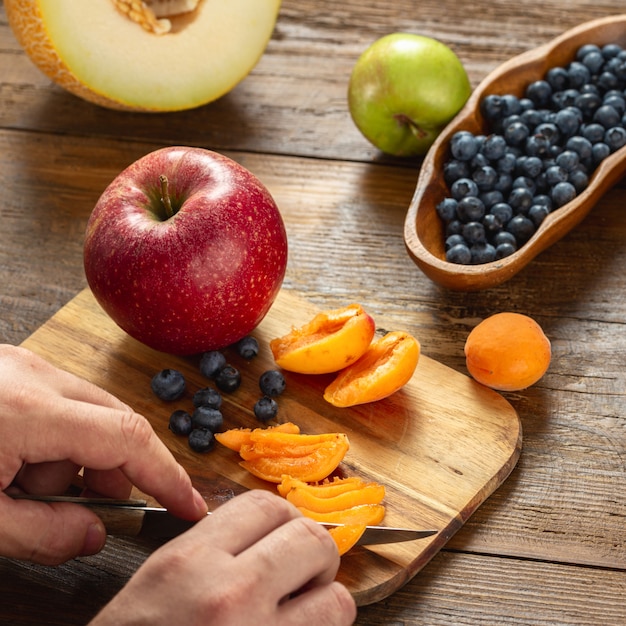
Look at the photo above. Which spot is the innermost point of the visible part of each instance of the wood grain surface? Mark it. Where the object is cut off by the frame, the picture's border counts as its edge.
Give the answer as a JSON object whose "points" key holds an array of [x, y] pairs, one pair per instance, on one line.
{"points": [[549, 546]]}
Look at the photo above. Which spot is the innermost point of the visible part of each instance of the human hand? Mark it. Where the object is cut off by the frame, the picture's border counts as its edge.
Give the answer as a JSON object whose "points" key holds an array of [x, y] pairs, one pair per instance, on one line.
{"points": [[255, 560], [52, 424]]}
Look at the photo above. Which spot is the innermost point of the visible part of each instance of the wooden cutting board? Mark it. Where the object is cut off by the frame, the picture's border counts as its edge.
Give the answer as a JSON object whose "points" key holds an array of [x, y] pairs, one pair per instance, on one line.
{"points": [[440, 446]]}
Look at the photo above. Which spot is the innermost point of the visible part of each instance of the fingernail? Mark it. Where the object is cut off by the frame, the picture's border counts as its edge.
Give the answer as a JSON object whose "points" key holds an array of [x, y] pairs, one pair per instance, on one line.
{"points": [[200, 502], [94, 539]]}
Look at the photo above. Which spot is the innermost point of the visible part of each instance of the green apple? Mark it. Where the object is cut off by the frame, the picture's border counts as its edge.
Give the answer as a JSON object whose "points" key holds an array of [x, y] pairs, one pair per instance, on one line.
{"points": [[403, 91]]}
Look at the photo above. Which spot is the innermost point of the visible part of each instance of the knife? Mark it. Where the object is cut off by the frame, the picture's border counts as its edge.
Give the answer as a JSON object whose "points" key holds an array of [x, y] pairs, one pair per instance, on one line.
{"points": [[133, 518]]}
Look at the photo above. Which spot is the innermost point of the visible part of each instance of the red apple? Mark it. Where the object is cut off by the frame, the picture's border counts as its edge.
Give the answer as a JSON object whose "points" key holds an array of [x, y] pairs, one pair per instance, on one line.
{"points": [[194, 276]]}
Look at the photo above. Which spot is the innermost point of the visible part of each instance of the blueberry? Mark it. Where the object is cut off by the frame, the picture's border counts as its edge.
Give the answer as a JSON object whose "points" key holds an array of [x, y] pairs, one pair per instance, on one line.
{"points": [[453, 240], [455, 169], [593, 60], [228, 379], [540, 92], [537, 213], [168, 384], [506, 164], [521, 228], [272, 383], [266, 409], [579, 178], [557, 78], [578, 74], [208, 397], [505, 237], [459, 254], [470, 209], [482, 253], [531, 166], [180, 422], [446, 209], [463, 145], [206, 417], [248, 347], [201, 440], [454, 227], [538, 145], [616, 101], [607, 115], [585, 49], [607, 80], [562, 193], [489, 198], [568, 160], [491, 224], [516, 133], [504, 249], [568, 120], [599, 152], [615, 138], [580, 145], [520, 199], [492, 107], [474, 233], [485, 177], [556, 174], [611, 50], [463, 187], [588, 103], [494, 147], [502, 211], [211, 363]]}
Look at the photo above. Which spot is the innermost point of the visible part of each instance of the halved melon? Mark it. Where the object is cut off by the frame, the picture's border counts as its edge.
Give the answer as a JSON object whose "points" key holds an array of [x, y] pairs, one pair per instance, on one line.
{"points": [[107, 51]]}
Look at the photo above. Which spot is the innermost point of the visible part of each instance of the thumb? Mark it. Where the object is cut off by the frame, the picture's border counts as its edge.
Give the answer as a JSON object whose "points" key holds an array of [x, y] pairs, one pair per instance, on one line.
{"points": [[48, 533]]}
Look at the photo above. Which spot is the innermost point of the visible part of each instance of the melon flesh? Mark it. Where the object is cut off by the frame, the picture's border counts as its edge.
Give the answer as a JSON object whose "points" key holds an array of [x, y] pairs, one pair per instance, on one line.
{"points": [[92, 50]]}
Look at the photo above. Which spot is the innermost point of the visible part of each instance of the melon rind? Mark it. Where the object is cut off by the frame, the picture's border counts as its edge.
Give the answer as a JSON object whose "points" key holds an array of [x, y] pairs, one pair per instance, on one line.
{"points": [[90, 49]]}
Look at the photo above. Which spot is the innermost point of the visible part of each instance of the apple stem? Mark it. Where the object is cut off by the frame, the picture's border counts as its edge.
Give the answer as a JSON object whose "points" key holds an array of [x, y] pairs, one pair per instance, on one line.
{"points": [[165, 196]]}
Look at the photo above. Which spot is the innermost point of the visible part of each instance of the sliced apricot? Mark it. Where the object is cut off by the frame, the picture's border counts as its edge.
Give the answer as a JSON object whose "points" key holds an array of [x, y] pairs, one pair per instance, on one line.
{"points": [[368, 514], [326, 489], [387, 365], [371, 493], [311, 467], [347, 536], [234, 438], [507, 351], [331, 341]]}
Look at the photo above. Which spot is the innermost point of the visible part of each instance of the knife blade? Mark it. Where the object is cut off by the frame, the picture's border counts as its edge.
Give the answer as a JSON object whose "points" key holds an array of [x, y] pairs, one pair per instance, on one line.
{"points": [[133, 518]]}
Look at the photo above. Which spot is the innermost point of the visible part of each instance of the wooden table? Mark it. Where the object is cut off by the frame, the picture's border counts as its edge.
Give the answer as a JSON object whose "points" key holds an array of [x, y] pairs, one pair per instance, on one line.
{"points": [[548, 547]]}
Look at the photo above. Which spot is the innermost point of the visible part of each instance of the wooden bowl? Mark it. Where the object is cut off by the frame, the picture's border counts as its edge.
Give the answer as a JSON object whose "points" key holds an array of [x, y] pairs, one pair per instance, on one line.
{"points": [[424, 230]]}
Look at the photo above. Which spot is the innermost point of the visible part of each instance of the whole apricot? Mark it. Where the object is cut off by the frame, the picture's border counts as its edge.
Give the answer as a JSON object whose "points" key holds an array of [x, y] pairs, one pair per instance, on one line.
{"points": [[507, 351]]}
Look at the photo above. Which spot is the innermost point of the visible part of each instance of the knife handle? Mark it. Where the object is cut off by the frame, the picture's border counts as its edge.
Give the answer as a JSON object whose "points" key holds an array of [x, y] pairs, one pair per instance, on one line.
{"points": [[124, 522]]}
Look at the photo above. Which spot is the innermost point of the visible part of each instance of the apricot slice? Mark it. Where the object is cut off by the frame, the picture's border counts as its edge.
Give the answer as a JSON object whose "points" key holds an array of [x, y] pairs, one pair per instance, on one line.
{"points": [[347, 536], [507, 351], [331, 341], [326, 489], [371, 493], [368, 514], [234, 438], [311, 467], [387, 365]]}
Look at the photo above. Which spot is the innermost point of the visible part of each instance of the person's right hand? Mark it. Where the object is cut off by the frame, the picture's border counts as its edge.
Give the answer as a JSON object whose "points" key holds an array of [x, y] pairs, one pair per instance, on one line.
{"points": [[255, 560]]}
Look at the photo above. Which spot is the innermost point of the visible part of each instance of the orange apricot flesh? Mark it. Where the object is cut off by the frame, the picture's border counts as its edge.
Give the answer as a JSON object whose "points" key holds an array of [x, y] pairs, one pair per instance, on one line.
{"points": [[331, 341], [507, 352], [347, 536], [387, 365]]}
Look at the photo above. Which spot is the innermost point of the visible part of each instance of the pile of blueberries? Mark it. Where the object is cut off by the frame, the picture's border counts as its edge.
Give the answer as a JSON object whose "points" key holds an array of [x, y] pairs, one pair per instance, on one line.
{"points": [[206, 419], [539, 153]]}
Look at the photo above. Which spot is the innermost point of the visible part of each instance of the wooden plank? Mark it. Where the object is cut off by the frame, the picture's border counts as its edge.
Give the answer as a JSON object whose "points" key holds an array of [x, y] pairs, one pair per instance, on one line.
{"points": [[300, 83], [440, 446]]}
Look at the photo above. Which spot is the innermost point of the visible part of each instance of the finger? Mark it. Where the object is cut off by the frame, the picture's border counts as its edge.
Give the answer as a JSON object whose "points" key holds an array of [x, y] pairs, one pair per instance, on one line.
{"points": [[298, 553], [104, 439], [257, 513], [47, 478], [48, 533], [330, 604], [110, 483]]}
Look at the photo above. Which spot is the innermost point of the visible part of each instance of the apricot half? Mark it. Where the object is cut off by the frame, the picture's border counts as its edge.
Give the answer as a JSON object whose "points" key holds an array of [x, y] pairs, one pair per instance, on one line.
{"points": [[507, 351], [332, 340], [126, 54], [386, 366]]}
